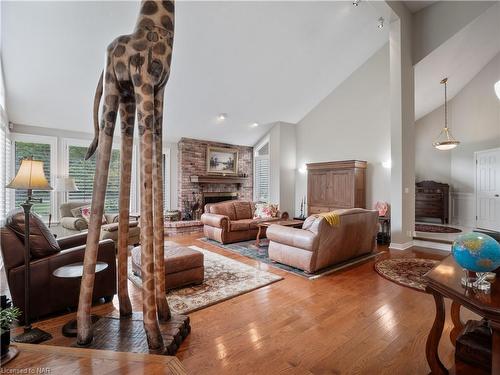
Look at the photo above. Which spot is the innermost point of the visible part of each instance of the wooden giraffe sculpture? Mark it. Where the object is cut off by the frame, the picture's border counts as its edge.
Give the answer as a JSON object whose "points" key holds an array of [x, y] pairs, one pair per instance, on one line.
{"points": [[137, 70]]}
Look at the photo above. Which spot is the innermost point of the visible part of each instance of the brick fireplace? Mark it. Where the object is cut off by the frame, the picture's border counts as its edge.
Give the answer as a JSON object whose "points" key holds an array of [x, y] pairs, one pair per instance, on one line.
{"points": [[194, 183]]}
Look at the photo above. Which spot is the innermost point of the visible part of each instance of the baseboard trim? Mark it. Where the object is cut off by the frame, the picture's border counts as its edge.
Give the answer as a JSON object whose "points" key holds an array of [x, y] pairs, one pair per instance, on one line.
{"points": [[432, 245], [400, 246]]}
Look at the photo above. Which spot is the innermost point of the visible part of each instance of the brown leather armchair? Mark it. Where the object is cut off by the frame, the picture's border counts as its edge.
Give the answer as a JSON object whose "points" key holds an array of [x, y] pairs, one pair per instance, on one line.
{"points": [[318, 244], [50, 294]]}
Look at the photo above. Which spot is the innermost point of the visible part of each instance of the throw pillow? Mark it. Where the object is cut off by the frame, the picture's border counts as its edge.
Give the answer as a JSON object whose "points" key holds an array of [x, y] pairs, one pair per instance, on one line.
{"points": [[84, 212], [266, 211], [42, 242]]}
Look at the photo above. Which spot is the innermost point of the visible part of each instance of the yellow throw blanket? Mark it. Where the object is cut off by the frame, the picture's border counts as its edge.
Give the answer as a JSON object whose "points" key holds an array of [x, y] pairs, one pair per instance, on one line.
{"points": [[331, 218]]}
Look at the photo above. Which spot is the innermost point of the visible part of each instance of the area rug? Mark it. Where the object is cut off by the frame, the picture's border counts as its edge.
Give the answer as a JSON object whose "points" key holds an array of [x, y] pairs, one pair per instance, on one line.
{"points": [[408, 272], [224, 279], [249, 250], [435, 228]]}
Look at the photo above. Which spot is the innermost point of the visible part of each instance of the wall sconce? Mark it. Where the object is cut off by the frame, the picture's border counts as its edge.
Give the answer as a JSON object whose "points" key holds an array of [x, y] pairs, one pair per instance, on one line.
{"points": [[303, 169], [387, 164]]}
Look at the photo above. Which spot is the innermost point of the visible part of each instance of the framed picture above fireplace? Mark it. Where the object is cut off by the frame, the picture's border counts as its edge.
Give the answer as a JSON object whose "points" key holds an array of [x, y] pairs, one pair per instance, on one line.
{"points": [[222, 161]]}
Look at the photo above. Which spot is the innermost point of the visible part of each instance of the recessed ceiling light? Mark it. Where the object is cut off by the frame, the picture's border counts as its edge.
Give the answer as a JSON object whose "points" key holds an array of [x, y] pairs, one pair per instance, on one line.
{"points": [[222, 116], [356, 2], [254, 125], [381, 23]]}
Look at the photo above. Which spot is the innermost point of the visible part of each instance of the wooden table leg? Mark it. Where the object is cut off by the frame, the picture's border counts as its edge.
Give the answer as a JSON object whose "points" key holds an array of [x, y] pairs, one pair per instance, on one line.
{"points": [[431, 347], [495, 349], [458, 325], [257, 240]]}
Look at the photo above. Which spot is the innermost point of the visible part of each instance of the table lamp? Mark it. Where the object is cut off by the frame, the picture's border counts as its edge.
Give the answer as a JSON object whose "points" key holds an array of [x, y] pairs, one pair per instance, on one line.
{"points": [[30, 176]]}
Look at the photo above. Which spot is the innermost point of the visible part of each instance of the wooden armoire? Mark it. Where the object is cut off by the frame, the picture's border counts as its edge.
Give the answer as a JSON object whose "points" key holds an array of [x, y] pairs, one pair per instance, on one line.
{"points": [[335, 184]]}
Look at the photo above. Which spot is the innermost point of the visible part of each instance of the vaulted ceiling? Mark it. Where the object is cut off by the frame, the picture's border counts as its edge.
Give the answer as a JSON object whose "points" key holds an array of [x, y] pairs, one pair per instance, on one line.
{"points": [[256, 61], [460, 58]]}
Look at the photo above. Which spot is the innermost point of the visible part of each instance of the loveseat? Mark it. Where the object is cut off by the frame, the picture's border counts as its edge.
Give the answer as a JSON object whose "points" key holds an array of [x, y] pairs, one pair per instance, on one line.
{"points": [[108, 231], [233, 221], [320, 244]]}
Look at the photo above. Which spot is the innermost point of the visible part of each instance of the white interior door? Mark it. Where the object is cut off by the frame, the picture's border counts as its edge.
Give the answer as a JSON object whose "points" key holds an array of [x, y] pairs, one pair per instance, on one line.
{"points": [[488, 189]]}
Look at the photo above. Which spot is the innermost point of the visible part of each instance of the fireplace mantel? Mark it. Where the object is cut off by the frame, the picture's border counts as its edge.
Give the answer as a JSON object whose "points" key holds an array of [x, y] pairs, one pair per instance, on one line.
{"points": [[215, 179]]}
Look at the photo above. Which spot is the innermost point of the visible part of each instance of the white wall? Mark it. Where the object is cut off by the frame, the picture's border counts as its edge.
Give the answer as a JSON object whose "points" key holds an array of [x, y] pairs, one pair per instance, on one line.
{"points": [[352, 122], [474, 119]]}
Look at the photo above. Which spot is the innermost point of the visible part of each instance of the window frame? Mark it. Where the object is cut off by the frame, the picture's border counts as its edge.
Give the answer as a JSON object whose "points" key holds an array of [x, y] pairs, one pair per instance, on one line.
{"points": [[41, 139], [259, 146], [64, 167]]}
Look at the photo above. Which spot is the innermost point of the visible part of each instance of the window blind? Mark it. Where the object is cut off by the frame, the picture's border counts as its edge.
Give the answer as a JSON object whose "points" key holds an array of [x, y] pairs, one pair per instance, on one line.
{"points": [[39, 151], [262, 178], [4, 165], [83, 172]]}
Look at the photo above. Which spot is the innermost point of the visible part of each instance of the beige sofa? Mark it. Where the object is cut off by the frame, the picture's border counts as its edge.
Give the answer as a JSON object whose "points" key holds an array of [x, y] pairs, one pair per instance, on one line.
{"points": [[108, 231], [232, 221], [318, 244]]}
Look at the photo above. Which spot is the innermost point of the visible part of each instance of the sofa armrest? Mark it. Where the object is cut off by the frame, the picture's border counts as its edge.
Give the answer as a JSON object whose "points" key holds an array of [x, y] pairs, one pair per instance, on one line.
{"points": [[74, 223], [215, 220], [295, 237], [112, 218], [72, 241]]}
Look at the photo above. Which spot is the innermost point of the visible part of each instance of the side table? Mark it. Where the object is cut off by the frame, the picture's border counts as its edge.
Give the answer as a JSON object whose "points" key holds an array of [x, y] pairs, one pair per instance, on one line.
{"points": [[443, 281], [75, 270]]}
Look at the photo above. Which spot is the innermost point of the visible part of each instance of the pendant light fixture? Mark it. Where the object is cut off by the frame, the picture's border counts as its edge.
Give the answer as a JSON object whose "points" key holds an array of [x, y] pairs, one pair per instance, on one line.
{"points": [[445, 140]]}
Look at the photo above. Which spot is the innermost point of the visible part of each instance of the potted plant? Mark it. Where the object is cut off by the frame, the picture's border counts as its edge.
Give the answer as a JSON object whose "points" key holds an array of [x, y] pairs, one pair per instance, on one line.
{"points": [[8, 315]]}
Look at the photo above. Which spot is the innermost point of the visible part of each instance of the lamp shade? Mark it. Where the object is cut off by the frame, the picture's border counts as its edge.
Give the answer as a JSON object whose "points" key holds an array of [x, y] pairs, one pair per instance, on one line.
{"points": [[30, 176], [66, 184]]}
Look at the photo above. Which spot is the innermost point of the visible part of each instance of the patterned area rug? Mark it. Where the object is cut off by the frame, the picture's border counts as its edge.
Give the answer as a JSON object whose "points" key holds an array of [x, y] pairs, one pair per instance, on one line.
{"points": [[406, 271], [224, 279], [435, 228], [248, 249]]}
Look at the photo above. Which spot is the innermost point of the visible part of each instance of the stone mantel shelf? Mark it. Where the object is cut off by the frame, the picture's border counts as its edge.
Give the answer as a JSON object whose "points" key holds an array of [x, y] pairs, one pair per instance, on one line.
{"points": [[216, 179]]}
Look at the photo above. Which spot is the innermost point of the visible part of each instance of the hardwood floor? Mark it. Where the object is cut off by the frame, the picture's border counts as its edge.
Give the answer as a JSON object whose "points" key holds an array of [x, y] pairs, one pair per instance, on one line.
{"points": [[353, 321]]}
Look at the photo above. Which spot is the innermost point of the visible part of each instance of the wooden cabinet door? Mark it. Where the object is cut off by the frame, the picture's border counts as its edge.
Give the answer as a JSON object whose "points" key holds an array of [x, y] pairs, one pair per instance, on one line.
{"points": [[317, 189], [340, 189]]}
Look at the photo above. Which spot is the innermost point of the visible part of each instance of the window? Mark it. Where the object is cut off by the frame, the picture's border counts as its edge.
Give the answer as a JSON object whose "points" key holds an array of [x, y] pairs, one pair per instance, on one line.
{"points": [[4, 165], [39, 151], [83, 172], [262, 173]]}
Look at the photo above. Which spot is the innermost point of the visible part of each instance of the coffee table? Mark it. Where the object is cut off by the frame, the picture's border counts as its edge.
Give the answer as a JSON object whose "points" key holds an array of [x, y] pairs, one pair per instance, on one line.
{"points": [[286, 223]]}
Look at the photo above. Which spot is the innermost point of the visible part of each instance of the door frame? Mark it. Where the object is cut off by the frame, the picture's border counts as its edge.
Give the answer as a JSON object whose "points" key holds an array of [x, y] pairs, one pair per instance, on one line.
{"points": [[475, 181]]}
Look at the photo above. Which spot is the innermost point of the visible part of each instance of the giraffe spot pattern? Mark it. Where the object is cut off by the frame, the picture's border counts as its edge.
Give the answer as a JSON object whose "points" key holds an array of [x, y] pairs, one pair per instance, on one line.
{"points": [[159, 48], [167, 23], [120, 67], [149, 8], [140, 45], [147, 89], [148, 106], [119, 50]]}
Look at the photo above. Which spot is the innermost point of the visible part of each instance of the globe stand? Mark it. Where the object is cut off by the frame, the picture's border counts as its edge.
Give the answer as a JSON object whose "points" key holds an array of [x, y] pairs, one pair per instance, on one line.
{"points": [[479, 282]]}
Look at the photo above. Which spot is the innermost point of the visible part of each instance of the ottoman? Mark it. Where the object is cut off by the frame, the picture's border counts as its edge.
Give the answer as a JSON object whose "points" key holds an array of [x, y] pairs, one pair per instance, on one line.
{"points": [[183, 266]]}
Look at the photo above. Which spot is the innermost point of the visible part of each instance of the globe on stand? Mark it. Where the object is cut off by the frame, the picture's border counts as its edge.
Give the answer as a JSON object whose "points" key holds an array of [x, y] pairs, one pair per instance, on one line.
{"points": [[479, 253]]}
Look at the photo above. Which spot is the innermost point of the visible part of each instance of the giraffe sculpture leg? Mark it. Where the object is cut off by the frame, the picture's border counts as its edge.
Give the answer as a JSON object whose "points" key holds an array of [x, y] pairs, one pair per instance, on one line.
{"points": [[161, 295], [110, 109], [145, 117], [127, 117]]}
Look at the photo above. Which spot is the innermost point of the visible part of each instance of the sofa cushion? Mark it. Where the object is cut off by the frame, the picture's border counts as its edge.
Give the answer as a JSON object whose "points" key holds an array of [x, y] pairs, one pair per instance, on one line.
{"points": [[225, 208], [265, 211], [113, 227], [85, 212], [42, 242], [243, 210], [239, 225]]}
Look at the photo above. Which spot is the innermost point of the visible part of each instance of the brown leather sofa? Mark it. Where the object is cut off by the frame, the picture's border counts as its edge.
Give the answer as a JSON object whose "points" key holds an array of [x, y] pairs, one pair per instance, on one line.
{"points": [[232, 221], [50, 294], [318, 244]]}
